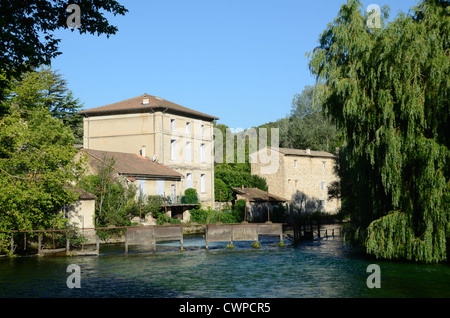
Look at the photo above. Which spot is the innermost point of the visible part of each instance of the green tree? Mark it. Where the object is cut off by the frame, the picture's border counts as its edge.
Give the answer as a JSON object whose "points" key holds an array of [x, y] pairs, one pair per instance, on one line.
{"points": [[36, 169], [45, 89], [222, 191], [308, 125], [387, 90], [190, 196], [27, 32], [115, 199], [236, 175]]}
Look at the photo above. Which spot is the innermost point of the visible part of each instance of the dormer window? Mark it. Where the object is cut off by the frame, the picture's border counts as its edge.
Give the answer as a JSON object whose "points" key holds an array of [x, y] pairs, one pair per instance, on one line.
{"points": [[145, 100]]}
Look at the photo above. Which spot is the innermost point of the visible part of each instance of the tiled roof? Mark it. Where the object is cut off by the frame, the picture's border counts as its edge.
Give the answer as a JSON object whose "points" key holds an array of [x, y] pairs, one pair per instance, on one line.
{"points": [[255, 194], [135, 105], [84, 195], [301, 152], [129, 164]]}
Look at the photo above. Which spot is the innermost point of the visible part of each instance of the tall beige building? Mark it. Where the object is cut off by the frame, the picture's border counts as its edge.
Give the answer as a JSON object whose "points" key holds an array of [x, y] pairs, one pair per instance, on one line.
{"points": [[167, 133], [302, 177]]}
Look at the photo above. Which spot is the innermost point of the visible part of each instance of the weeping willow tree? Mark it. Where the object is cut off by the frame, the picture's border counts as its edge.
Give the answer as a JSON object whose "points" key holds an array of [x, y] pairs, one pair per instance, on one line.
{"points": [[388, 91]]}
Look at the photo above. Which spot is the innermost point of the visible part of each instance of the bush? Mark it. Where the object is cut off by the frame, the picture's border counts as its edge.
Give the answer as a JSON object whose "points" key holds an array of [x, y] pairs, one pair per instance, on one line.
{"points": [[190, 196], [226, 191], [199, 216], [239, 210], [162, 220]]}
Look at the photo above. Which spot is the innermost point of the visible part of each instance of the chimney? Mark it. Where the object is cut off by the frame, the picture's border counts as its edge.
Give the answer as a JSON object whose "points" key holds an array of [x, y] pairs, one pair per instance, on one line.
{"points": [[308, 151], [143, 151], [145, 100]]}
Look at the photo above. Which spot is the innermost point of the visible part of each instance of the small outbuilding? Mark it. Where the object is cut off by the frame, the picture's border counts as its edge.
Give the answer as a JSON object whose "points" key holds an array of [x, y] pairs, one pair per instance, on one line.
{"points": [[257, 202], [82, 212]]}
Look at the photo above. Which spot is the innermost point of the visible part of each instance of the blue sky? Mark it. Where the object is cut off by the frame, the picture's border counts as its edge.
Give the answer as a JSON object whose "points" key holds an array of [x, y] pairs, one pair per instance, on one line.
{"points": [[239, 60]]}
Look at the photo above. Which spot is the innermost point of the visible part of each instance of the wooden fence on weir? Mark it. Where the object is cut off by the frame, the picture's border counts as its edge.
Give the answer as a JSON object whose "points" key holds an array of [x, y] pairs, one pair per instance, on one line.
{"points": [[152, 234]]}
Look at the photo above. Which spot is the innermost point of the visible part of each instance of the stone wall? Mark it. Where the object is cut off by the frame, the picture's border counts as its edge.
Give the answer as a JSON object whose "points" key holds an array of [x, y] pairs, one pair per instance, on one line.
{"points": [[302, 177]]}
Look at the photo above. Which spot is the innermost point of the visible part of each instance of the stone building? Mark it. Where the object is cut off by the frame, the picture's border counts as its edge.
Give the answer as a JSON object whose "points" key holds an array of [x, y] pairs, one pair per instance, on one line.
{"points": [[303, 177], [81, 213], [167, 133]]}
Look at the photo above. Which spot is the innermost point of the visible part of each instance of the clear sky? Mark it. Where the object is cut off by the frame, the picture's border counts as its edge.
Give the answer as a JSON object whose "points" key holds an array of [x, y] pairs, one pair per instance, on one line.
{"points": [[239, 60]]}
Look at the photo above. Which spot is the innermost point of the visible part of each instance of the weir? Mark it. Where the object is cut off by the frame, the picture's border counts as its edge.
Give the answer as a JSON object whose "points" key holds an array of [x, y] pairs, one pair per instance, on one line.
{"points": [[147, 235], [241, 232]]}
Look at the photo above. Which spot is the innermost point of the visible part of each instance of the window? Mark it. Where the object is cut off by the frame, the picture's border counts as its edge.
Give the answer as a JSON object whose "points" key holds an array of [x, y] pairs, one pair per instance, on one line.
{"points": [[188, 180], [323, 165], [202, 130], [173, 193], [188, 127], [322, 203], [172, 124], [296, 183], [202, 152], [289, 181], [295, 163], [323, 185], [172, 149], [188, 151], [141, 187], [160, 187], [202, 183]]}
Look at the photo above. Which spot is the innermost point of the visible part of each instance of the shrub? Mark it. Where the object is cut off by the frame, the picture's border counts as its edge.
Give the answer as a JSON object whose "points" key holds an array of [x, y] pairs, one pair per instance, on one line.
{"points": [[199, 216], [190, 196]]}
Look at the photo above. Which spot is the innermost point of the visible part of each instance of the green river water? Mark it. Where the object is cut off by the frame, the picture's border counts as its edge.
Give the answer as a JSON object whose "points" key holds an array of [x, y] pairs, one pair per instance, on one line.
{"points": [[320, 268]]}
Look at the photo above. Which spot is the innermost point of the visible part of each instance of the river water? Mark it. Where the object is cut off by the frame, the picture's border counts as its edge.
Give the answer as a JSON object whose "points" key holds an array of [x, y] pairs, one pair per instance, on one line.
{"points": [[320, 268]]}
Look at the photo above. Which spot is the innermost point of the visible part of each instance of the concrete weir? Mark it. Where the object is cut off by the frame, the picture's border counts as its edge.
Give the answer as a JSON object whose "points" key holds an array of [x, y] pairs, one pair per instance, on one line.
{"points": [[149, 235], [241, 232]]}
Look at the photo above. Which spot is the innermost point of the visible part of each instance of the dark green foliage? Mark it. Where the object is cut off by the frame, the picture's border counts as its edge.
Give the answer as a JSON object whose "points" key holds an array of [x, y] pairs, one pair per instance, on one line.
{"points": [[387, 90], [199, 216], [45, 89], [190, 196], [239, 210], [115, 199], [308, 126], [145, 205], [27, 31], [36, 168], [222, 191], [235, 175]]}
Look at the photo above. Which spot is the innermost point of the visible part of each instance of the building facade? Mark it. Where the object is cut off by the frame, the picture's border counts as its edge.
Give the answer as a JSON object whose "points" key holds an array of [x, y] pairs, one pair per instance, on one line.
{"points": [[167, 133], [303, 177]]}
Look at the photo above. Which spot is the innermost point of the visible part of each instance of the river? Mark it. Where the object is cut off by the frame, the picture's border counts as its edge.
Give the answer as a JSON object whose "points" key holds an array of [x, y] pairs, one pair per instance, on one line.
{"points": [[320, 268]]}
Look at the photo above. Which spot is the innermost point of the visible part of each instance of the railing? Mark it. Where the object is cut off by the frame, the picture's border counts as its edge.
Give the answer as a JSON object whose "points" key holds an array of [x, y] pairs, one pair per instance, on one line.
{"points": [[81, 237], [136, 235]]}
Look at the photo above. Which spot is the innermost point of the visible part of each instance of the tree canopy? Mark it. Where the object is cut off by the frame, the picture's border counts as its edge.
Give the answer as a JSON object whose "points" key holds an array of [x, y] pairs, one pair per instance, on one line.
{"points": [[308, 125], [388, 91], [27, 38], [36, 168], [46, 89]]}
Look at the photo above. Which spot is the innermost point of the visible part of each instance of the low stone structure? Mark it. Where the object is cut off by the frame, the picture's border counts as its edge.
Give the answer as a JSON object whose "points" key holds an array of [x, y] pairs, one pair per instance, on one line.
{"points": [[257, 201]]}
